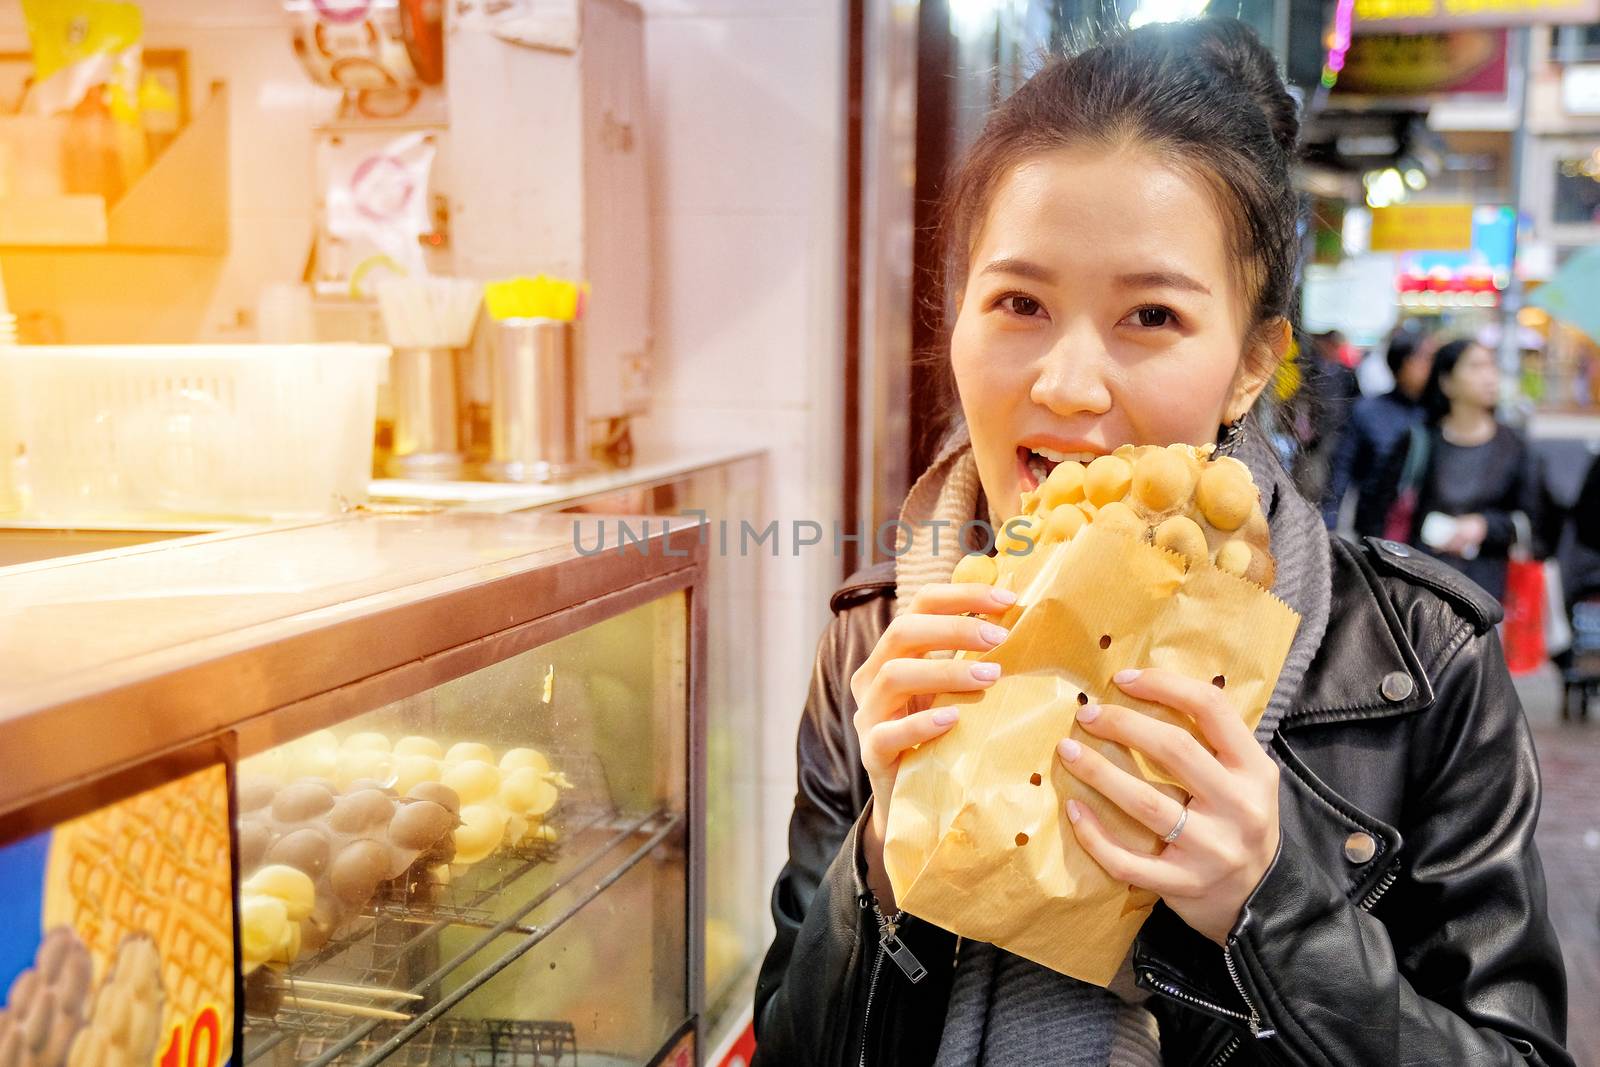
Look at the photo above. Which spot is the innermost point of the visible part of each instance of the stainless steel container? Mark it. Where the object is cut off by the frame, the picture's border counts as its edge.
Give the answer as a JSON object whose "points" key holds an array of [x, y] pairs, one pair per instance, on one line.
{"points": [[538, 408], [427, 439]]}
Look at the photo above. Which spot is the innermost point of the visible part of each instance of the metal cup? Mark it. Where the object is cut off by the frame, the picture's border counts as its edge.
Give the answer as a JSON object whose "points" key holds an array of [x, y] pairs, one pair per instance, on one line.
{"points": [[427, 441], [538, 408]]}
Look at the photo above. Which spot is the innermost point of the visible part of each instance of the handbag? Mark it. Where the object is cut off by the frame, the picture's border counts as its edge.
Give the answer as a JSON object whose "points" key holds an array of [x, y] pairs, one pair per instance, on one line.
{"points": [[1524, 603], [1401, 517]]}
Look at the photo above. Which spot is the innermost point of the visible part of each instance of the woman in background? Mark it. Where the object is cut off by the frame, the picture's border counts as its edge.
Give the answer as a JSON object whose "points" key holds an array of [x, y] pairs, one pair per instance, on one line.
{"points": [[1478, 472], [1378, 426]]}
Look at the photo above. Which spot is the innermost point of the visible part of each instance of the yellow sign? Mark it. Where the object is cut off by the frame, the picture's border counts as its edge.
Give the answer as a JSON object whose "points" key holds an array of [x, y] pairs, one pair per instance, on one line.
{"points": [[1389, 16], [1422, 228]]}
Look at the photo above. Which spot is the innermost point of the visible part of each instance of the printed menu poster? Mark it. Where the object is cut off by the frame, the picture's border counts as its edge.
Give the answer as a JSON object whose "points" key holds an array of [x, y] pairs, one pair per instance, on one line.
{"points": [[117, 945]]}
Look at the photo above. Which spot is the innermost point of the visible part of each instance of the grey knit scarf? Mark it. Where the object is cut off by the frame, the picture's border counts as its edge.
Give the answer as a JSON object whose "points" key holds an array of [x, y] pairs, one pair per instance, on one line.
{"points": [[1004, 1009]]}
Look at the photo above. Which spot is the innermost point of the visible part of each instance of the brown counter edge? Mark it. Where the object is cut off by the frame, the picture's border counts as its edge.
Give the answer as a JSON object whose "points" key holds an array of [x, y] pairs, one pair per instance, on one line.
{"points": [[54, 750]]}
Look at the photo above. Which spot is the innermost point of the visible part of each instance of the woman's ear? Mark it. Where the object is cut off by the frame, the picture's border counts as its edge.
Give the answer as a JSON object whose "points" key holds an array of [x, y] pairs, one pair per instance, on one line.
{"points": [[1266, 349]]}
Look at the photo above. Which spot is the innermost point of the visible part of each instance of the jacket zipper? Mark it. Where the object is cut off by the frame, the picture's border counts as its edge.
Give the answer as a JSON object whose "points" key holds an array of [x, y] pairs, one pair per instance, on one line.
{"points": [[1173, 991], [1255, 1017], [889, 944], [1370, 901], [1227, 1051], [1366, 904]]}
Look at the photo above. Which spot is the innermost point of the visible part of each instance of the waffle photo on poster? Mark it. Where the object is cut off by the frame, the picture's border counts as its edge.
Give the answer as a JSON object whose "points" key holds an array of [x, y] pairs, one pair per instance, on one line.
{"points": [[121, 949]]}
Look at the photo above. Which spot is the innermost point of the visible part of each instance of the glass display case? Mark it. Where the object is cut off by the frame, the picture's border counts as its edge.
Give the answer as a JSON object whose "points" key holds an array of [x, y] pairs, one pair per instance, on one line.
{"points": [[738, 927], [467, 766]]}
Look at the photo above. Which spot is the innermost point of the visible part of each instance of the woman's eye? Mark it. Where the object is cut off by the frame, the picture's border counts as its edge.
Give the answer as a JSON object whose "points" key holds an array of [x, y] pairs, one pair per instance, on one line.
{"points": [[1026, 306], [1154, 318]]}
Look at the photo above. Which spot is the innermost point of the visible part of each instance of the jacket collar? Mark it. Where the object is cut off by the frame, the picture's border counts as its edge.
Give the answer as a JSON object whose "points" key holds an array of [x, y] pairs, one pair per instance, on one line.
{"points": [[1366, 667]]}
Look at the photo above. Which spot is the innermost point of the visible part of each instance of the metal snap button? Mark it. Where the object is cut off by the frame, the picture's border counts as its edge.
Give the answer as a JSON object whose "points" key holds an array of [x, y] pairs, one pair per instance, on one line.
{"points": [[1396, 686], [1395, 548], [1360, 847]]}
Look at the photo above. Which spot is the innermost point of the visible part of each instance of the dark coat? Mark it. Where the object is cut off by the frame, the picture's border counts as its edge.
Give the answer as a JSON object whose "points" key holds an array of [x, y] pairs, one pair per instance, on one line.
{"points": [[1402, 921], [1378, 426]]}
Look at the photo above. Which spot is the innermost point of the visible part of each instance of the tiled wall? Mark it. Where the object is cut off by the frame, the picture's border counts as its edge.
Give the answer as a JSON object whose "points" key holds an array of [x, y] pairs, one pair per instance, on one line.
{"points": [[747, 115], [747, 121]]}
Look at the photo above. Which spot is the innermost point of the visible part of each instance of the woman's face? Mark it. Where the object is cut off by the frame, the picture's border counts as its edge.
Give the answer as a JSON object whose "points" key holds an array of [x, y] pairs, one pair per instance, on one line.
{"points": [[1101, 308], [1414, 371], [1474, 381]]}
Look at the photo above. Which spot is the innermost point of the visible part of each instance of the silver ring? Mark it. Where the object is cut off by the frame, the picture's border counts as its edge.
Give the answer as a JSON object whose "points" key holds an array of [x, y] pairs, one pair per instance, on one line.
{"points": [[1183, 817]]}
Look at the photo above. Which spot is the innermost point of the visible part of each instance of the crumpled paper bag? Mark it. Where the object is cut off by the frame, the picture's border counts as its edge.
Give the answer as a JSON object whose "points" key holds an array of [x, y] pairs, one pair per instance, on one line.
{"points": [[978, 841]]}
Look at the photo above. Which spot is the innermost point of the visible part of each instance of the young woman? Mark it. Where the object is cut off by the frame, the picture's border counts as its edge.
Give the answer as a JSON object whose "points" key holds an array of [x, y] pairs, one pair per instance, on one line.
{"points": [[1378, 426], [1477, 471], [1356, 884]]}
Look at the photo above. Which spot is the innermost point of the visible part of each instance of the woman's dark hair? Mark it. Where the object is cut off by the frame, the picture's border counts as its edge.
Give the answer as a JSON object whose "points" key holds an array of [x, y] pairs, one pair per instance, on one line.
{"points": [[1445, 358], [1205, 93], [1402, 346]]}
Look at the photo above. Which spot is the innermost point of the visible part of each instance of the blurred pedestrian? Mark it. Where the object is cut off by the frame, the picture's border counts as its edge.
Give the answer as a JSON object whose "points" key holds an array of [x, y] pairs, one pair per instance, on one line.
{"points": [[1378, 425], [1321, 409], [1474, 474]]}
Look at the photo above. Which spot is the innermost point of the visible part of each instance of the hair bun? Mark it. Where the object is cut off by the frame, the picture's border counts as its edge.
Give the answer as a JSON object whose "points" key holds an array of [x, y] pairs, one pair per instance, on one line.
{"points": [[1233, 50]]}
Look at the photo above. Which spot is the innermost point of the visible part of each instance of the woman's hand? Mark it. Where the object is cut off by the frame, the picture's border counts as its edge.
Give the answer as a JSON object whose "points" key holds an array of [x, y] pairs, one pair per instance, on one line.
{"points": [[1469, 534], [895, 685], [1231, 835]]}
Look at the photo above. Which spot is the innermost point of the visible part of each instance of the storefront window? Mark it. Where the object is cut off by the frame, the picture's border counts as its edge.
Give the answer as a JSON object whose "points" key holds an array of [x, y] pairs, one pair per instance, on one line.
{"points": [[1577, 44], [1577, 189]]}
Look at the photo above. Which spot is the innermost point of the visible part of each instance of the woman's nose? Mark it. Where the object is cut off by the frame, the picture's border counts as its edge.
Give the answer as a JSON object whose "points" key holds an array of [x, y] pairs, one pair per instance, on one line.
{"points": [[1072, 378]]}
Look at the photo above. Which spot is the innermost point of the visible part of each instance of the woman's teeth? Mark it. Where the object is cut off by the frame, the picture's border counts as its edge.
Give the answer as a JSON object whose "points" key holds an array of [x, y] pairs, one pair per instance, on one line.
{"points": [[1041, 461], [1061, 457]]}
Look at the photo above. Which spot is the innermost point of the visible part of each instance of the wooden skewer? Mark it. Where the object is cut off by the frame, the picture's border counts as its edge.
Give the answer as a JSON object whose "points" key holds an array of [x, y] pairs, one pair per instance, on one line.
{"points": [[376, 992], [339, 1008]]}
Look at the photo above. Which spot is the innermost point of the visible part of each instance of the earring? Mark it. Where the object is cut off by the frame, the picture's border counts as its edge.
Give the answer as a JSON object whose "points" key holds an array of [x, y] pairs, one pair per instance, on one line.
{"points": [[1233, 435]]}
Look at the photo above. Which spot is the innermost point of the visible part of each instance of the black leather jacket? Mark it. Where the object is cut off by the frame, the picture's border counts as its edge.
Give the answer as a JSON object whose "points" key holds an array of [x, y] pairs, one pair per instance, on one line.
{"points": [[1402, 922]]}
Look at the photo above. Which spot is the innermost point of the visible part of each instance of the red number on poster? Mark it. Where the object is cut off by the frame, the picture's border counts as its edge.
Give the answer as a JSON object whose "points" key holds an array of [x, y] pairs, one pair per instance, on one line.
{"points": [[206, 1026]]}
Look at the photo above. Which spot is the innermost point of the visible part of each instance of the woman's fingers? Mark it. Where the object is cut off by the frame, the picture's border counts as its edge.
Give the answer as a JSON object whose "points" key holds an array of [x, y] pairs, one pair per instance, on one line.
{"points": [[1173, 747], [888, 740], [899, 681], [914, 635], [1205, 703], [898, 686], [1146, 804], [1160, 876], [953, 598], [917, 635]]}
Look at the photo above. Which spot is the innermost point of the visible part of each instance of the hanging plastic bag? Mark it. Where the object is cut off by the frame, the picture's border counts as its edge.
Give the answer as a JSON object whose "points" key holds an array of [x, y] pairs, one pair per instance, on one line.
{"points": [[88, 63]]}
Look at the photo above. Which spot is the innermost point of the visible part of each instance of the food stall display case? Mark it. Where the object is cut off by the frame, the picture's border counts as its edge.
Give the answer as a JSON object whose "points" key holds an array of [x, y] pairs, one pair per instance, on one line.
{"points": [[455, 764]]}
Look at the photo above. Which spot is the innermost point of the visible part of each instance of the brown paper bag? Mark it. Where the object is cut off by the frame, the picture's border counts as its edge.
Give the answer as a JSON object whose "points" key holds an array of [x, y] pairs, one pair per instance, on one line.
{"points": [[978, 840]]}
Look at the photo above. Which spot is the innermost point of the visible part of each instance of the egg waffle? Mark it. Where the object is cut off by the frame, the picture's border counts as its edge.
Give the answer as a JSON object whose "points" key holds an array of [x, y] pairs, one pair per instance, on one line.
{"points": [[156, 865]]}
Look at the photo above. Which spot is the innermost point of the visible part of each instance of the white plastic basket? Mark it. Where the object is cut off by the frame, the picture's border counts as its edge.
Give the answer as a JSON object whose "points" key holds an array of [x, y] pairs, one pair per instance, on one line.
{"points": [[130, 433]]}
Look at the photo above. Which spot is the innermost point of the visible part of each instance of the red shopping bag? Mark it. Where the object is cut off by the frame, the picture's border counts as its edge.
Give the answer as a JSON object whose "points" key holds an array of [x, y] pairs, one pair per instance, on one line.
{"points": [[1524, 607]]}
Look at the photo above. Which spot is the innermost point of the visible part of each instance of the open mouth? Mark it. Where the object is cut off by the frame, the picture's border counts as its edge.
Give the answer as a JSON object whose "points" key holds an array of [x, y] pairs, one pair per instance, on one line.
{"points": [[1037, 462]]}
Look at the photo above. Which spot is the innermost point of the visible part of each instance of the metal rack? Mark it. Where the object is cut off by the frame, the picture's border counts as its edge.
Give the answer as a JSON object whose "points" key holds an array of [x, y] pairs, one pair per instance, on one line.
{"points": [[466, 1043], [385, 948]]}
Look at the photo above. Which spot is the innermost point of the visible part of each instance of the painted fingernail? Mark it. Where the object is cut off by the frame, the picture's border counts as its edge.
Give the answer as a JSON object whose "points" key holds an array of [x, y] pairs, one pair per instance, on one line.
{"points": [[992, 633], [1125, 676], [1073, 811], [945, 716], [1069, 749], [986, 672], [1003, 596], [1089, 713]]}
